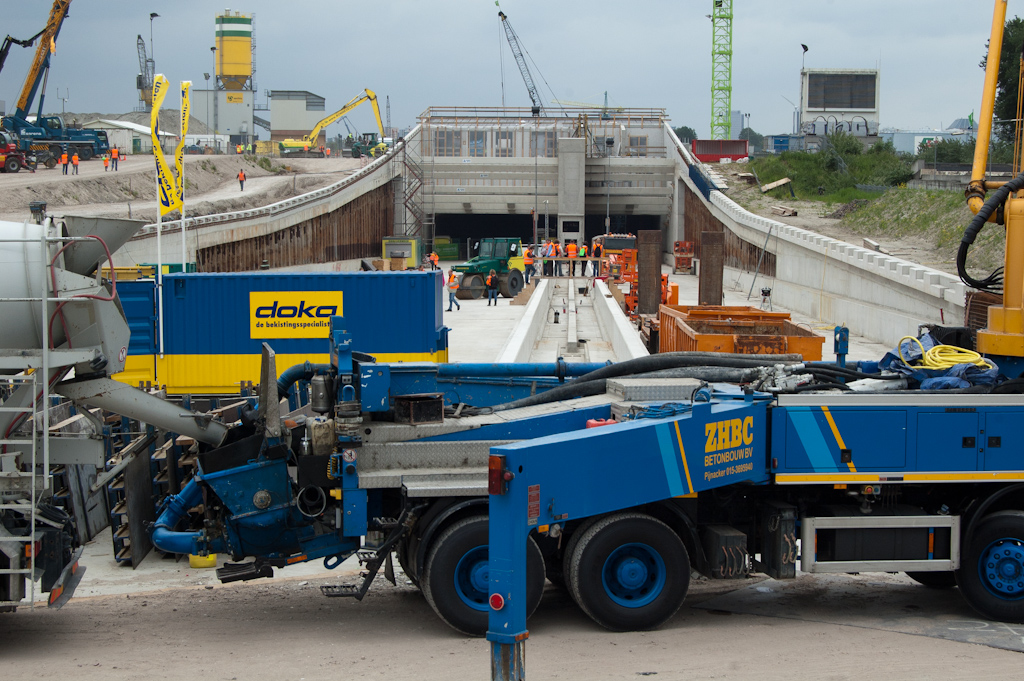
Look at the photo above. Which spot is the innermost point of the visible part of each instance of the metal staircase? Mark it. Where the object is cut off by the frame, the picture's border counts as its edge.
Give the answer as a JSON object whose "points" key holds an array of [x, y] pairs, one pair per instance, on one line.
{"points": [[418, 202]]}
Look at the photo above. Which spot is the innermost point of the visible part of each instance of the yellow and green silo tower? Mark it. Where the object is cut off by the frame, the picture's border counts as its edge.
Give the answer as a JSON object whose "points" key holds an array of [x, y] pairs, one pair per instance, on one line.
{"points": [[234, 51]]}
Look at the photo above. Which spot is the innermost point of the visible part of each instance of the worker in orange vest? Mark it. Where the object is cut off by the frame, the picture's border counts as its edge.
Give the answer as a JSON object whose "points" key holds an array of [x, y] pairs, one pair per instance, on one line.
{"points": [[115, 154], [557, 252], [64, 161], [241, 180], [74, 164], [453, 288], [434, 259], [328, 151], [571, 250], [528, 269], [106, 163]]}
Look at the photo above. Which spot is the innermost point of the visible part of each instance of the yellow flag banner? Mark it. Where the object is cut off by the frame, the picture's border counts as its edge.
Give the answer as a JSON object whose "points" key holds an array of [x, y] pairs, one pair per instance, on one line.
{"points": [[179, 153], [167, 194]]}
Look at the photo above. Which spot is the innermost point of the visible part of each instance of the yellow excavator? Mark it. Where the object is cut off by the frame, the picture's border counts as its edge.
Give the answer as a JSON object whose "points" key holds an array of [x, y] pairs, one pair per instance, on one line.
{"points": [[308, 146]]}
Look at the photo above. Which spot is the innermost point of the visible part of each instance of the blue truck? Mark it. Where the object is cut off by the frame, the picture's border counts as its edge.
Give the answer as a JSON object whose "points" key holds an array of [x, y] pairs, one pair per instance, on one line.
{"points": [[47, 136], [484, 480]]}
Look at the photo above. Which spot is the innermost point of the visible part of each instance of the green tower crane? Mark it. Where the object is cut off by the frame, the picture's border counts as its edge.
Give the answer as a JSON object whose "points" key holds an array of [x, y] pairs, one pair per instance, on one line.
{"points": [[721, 69]]}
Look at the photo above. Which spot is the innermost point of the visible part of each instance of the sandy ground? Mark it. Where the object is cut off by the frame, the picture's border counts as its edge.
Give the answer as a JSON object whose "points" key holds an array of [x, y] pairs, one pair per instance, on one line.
{"points": [[211, 186], [285, 629]]}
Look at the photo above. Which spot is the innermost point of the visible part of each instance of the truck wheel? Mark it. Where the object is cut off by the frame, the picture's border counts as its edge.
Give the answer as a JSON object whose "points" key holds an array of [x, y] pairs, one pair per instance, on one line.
{"points": [[11, 165], [471, 287], [629, 572], [84, 153], [934, 580], [562, 578], [405, 561], [456, 580], [991, 574], [355, 153], [51, 162], [511, 284], [55, 150]]}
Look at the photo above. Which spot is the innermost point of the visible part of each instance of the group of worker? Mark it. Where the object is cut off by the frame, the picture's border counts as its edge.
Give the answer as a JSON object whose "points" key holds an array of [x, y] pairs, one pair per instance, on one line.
{"points": [[452, 284], [110, 160], [552, 248], [73, 160], [243, 148]]}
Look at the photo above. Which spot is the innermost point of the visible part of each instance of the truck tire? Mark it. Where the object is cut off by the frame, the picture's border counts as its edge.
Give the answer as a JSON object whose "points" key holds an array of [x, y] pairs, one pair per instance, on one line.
{"points": [[509, 285], [991, 574], [51, 162], [355, 152], [11, 165], [84, 153], [562, 578], [934, 580], [471, 287], [56, 150], [404, 561], [455, 577], [629, 572]]}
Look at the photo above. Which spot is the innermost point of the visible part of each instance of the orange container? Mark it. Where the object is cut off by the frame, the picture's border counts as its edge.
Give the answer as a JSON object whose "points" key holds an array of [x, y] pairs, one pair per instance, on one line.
{"points": [[744, 330]]}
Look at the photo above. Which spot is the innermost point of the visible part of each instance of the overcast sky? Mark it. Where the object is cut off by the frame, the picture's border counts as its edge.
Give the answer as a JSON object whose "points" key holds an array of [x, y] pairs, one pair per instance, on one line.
{"points": [[645, 53]]}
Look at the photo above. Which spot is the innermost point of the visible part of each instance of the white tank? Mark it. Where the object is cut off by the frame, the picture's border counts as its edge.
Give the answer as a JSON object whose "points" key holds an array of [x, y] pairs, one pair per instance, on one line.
{"points": [[22, 272]]}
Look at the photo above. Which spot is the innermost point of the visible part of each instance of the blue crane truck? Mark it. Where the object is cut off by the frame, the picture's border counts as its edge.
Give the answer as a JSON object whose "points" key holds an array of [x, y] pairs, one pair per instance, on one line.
{"points": [[484, 480], [48, 136]]}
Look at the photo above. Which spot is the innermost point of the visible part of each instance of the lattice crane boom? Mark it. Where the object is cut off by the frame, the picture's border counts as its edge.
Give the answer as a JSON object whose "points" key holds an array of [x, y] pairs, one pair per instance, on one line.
{"points": [[513, 42], [145, 80], [721, 69]]}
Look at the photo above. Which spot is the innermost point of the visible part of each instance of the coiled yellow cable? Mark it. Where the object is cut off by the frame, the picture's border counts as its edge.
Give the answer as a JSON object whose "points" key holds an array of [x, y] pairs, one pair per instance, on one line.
{"points": [[944, 356]]}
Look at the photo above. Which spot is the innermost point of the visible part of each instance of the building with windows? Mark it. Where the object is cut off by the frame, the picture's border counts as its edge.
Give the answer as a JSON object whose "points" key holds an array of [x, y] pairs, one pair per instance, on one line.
{"points": [[487, 171]]}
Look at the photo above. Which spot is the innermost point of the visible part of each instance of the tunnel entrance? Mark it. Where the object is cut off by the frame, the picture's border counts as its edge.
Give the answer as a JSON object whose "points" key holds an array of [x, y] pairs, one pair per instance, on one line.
{"points": [[463, 227]]}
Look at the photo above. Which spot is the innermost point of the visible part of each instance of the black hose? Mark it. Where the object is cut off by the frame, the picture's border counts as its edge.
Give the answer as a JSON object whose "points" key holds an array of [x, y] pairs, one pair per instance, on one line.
{"points": [[562, 392], [709, 374], [998, 198], [849, 373], [672, 360], [820, 386]]}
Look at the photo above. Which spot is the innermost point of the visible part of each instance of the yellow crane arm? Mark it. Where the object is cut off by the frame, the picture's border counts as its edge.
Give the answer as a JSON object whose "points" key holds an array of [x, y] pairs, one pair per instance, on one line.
{"points": [[976, 188], [314, 134], [57, 14]]}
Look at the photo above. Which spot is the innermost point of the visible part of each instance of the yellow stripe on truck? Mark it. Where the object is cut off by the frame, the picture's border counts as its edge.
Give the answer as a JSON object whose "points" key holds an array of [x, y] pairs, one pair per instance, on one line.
{"points": [[223, 374]]}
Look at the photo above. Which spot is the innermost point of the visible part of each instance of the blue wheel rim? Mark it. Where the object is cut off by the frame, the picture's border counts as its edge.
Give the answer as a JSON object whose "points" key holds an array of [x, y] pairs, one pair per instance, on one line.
{"points": [[1001, 568], [633, 575], [472, 578]]}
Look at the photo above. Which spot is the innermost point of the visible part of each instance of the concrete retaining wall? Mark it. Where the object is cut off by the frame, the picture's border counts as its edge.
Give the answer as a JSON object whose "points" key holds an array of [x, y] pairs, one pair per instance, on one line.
{"points": [[615, 325], [878, 296], [220, 228], [519, 345]]}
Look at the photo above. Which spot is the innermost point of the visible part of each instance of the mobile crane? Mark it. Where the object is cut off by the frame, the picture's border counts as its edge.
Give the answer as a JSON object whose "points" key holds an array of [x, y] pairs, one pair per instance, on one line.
{"points": [[48, 135], [517, 52], [308, 147]]}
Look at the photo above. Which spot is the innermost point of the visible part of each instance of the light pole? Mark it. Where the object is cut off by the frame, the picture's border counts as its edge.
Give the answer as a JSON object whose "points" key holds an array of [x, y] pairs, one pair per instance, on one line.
{"points": [[213, 93], [152, 54], [207, 77]]}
